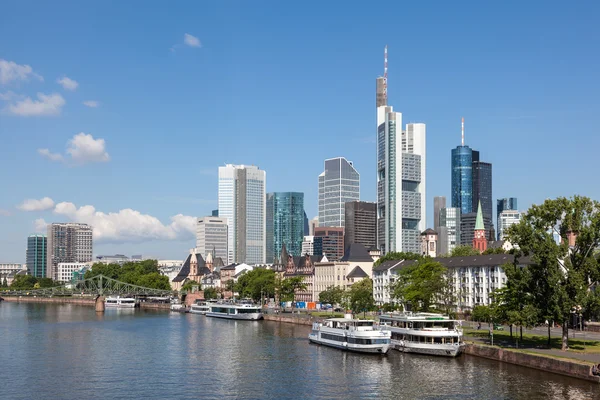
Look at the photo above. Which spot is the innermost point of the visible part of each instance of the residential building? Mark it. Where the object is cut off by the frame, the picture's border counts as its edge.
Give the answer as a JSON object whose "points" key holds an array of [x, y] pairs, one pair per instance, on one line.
{"points": [[288, 266], [285, 223], [360, 224], [507, 218], [479, 236], [333, 241], [449, 230], [35, 258], [8, 271], [67, 243], [439, 202], [212, 236], [467, 228], [401, 161], [505, 204], [429, 243], [482, 186], [312, 245], [384, 276], [65, 270], [242, 201], [194, 268], [339, 183]]}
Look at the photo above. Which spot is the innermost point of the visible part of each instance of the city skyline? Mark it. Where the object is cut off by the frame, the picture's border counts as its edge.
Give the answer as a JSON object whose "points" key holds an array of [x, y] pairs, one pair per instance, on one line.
{"points": [[106, 126]]}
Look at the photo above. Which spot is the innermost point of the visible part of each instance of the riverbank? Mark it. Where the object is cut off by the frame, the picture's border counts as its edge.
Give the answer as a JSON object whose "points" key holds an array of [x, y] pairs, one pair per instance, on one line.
{"points": [[80, 301], [299, 319]]}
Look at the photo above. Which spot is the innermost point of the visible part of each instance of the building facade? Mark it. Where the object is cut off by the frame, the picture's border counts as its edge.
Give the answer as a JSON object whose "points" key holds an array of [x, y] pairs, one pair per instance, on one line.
{"points": [[332, 242], [506, 219], [401, 161], [507, 203], [285, 223], [462, 179], [429, 243], [439, 202], [242, 201], [449, 230], [360, 220], [212, 236], [482, 186], [467, 228], [339, 183], [35, 258], [312, 245], [67, 243], [64, 271]]}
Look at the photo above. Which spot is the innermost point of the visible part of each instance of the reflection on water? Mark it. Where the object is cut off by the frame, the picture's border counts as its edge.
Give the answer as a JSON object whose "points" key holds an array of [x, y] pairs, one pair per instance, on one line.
{"points": [[70, 352]]}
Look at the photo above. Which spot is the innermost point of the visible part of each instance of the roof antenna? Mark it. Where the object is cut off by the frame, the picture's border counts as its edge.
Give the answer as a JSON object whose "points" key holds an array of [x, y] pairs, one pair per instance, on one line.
{"points": [[463, 131], [385, 60]]}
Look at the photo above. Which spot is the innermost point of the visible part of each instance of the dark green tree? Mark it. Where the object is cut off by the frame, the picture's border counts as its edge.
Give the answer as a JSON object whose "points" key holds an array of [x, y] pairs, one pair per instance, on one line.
{"points": [[463, 251], [332, 295], [420, 284], [154, 280], [361, 296], [187, 286], [22, 282], [290, 286], [397, 256], [257, 284], [210, 293], [495, 250]]}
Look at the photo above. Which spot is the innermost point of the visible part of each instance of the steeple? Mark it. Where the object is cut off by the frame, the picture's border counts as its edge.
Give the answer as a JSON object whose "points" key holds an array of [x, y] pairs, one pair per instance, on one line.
{"points": [[479, 239], [479, 221]]}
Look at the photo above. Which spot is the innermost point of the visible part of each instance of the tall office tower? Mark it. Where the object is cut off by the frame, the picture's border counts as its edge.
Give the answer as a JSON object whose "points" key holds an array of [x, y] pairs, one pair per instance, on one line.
{"points": [[36, 255], [242, 201], [338, 184], [306, 225], [360, 223], [211, 235], [505, 220], [333, 241], [467, 228], [312, 245], [482, 186], [312, 224], [67, 243], [400, 182], [285, 223], [462, 175], [449, 229], [439, 202], [507, 203]]}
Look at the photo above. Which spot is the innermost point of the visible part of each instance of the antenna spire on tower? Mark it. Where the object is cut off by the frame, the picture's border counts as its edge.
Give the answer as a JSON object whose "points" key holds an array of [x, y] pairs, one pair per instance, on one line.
{"points": [[462, 128], [385, 67]]}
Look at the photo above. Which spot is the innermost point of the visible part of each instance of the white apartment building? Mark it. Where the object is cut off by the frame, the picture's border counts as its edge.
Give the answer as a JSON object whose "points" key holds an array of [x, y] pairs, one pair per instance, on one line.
{"points": [[506, 219], [242, 201], [9, 270], [211, 234], [384, 275], [67, 243], [65, 270]]}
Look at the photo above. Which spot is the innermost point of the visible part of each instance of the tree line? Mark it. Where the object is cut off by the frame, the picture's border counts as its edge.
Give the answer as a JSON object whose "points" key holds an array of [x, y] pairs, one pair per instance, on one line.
{"points": [[143, 273]]}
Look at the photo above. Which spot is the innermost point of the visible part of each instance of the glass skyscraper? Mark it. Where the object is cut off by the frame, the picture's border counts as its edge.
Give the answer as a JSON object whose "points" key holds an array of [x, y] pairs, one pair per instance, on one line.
{"points": [[36, 255], [482, 186], [507, 203], [339, 183], [462, 179], [285, 223]]}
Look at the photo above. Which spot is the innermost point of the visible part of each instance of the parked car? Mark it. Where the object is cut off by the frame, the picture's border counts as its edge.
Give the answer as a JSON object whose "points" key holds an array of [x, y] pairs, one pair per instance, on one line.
{"points": [[498, 327]]}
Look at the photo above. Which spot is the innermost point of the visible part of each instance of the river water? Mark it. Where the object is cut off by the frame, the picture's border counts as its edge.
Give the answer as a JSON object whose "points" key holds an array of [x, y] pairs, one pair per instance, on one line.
{"points": [[70, 352]]}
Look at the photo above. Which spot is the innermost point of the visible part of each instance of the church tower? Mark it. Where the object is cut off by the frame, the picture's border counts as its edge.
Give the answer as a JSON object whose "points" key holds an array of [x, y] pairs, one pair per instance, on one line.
{"points": [[479, 239]]}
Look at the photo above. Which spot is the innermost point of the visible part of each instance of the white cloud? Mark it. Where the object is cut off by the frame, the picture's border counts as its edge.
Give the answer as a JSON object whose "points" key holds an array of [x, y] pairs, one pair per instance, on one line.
{"points": [[51, 156], [45, 105], [191, 41], [128, 225], [40, 225], [36, 205], [10, 96], [5, 213], [11, 71], [91, 103], [83, 148], [67, 83]]}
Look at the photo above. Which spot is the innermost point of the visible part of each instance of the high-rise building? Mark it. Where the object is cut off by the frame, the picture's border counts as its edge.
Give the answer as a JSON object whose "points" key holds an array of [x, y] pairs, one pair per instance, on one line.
{"points": [[67, 243], [36, 255], [211, 235], [215, 213], [333, 241], [449, 230], [242, 201], [439, 202], [507, 203], [312, 245], [285, 223], [482, 186], [467, 228], [312, 224], [462, 175], [360, 224], [505, 220], [339, 183], [306, 225]]}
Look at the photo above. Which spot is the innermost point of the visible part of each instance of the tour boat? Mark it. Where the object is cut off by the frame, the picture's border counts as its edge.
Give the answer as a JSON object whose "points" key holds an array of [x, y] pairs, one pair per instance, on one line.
{"points": [[358, 335], [247, 312], [200, 307], [119, 302], [424, 333]]}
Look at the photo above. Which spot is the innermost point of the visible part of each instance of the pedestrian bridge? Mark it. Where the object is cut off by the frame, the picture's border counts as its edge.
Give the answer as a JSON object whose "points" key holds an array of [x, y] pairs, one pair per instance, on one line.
{"points": [[98, 285]]}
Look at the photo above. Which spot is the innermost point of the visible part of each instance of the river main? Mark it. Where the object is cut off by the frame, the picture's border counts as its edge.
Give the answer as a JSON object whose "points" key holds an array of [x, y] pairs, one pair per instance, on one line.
{"points": [[70, 352]]}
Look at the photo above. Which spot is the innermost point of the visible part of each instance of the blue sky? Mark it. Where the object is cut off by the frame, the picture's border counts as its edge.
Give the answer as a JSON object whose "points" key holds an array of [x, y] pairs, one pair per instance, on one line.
{"points": [[283, 86]]}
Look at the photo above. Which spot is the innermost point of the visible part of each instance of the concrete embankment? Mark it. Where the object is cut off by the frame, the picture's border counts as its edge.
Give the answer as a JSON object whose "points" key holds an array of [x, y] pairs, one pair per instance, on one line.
{"points": [[541, 362], [291, 319], [81, 301]]}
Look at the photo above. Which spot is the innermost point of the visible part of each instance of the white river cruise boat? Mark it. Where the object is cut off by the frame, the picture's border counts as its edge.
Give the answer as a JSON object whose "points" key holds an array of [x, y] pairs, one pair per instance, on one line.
{"points": [[246, 312], [200, 307], [424, 333], [119, 302], [358, 335]]}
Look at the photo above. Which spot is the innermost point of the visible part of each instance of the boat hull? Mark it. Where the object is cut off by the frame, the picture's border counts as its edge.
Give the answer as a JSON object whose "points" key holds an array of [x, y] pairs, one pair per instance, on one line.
{"points": [[241, 317], [201, 312], [445, 350], [375, 349]]}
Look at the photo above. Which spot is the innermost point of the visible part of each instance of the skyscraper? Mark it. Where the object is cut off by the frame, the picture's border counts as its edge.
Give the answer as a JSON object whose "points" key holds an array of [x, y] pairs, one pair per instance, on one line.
{"points": [[332, 241], [507, 203], [360, 224], [482, 186], [67, 243], [338, 184], [242, 202], [211, 235], [439, 202], [400, 182], [36, 255], [506, 219], [449, 230], [467, 227], [285, 223]]}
